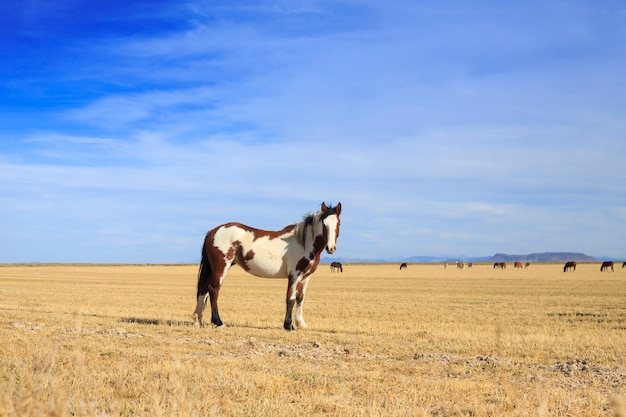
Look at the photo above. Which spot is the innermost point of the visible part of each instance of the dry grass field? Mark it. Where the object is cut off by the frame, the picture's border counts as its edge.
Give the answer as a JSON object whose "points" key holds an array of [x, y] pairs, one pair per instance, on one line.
{"points": [[426, 341]]}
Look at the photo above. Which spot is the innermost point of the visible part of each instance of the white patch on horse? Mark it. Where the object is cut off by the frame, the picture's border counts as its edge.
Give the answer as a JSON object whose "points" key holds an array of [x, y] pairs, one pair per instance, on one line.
{"points": [[267, 261], [331, 223]]}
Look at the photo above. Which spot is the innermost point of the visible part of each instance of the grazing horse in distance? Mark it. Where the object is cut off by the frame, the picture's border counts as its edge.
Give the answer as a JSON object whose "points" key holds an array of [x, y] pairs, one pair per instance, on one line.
{"points": [[403, 265], [606, 265], [501, 265], [624, 265], [527, 265], [459, 264], [293, 253], [571, 265], [336, 266], [517, 265], [470, 265]]}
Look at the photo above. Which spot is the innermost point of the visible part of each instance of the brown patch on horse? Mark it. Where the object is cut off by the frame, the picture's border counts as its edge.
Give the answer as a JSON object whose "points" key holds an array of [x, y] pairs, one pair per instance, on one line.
{"points": [[299, 289], [302, 264], [306, 266], [242, 260], [217, 264], [232, 251], [260, 233], [318, 245], [270, 234]]}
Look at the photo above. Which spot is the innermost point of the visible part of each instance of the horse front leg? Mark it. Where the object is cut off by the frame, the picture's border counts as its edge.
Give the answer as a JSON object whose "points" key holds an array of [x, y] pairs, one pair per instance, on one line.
{"points": [[288, 325], [290, 301], [295, 297], [300, 293]]}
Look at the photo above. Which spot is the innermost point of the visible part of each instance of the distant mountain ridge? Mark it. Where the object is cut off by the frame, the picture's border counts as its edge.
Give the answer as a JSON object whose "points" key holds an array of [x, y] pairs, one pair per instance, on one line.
{"points": [[543, 257], [498, 257]]}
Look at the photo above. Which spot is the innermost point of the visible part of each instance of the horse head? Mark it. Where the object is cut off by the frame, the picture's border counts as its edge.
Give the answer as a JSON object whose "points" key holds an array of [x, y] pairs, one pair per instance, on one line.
{"points": [[331, 223]]}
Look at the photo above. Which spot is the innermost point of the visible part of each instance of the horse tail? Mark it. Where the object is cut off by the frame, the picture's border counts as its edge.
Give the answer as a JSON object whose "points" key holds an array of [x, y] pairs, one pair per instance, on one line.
{"points": [[204, 273]]}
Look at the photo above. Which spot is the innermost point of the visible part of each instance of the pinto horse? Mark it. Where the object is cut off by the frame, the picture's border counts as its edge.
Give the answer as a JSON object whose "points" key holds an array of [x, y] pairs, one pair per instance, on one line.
{"points": [[606, 265], [292, 253], [571, 265]]}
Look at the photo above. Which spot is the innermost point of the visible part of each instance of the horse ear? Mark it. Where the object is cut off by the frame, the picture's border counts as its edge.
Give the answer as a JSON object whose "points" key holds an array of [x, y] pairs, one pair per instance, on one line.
{"points": [[324, 208], [338, 209]]}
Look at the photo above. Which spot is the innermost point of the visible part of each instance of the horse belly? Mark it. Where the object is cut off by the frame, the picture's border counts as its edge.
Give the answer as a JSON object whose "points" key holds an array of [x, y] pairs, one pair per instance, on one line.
{"points": [[266, 267]]}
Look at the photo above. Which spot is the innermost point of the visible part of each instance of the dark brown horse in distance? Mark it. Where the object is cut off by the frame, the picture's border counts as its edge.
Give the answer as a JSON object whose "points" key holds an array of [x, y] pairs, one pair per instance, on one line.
{"points": [[606, 265], [403, 265], [571, 265], [336, 266]]}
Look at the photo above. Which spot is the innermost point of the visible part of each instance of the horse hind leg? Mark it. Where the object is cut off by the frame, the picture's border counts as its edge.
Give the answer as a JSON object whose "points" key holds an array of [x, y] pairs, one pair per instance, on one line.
{"points": [[200, 308], [208, 287], [215, 314], [201, 305]]}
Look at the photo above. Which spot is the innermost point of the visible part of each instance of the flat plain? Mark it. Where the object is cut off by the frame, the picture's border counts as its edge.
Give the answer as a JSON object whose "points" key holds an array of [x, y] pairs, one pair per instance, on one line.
{"points": [[107, 340]]}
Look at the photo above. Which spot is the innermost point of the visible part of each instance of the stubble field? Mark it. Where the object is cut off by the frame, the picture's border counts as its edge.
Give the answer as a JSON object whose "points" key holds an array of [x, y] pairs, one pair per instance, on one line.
{"points": [[425, 341]]}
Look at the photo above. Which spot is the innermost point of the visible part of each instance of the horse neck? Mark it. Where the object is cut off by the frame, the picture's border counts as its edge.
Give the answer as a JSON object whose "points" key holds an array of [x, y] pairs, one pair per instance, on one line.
{"points": [[310, 234]]}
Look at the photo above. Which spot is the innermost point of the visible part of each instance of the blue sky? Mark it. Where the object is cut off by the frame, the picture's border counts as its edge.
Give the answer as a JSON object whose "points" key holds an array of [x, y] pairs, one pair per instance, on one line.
{"points": [[130, 128]]}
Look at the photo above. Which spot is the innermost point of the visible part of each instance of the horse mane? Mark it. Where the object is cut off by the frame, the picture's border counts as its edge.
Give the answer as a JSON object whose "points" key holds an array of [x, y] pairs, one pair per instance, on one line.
{"points": [[301, 228], [308, 220]]}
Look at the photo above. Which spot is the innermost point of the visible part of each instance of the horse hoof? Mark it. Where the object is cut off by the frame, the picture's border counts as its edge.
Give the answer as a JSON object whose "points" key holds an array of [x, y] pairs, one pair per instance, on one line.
{"points": [[215, 319]]}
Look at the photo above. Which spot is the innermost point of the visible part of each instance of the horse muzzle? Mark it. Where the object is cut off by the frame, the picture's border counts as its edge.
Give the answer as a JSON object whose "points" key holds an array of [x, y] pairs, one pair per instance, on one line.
{"points": [[330, 249]]}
